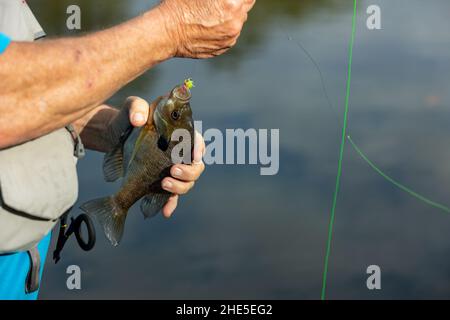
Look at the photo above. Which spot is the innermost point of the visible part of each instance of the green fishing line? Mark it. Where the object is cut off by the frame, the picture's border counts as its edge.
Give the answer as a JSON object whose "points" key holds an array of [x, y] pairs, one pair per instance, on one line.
{"points": [[341, 155], [396, 183]]}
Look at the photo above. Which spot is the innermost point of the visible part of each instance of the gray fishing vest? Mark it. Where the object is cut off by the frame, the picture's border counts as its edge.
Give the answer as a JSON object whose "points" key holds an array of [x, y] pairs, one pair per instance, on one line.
{"points": [[38, 179]]}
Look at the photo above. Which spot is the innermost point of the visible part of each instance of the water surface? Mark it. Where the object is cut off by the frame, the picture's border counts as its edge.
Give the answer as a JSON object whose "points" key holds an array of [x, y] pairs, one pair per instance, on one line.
{"points": [[242, 235]]}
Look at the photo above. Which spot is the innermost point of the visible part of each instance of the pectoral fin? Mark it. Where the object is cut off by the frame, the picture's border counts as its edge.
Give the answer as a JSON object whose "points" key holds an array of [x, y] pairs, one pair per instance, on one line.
{"points": [[113, 164], [151, 204]]}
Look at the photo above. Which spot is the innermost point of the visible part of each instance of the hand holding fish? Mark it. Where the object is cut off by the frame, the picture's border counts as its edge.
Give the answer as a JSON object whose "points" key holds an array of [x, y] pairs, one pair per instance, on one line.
{"points": [[183, 176], [205, 28], [136, 111], [143, 157]]}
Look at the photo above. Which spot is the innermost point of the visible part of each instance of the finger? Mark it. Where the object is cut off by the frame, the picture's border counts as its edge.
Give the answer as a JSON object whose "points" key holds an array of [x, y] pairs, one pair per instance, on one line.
{"points": [[215, 45], [225, 47], [248, 5], [232, 5], [219, 53], [170, 206], [187, 173], [138, 111], [209, 54], [233, 41], [175, 186], [244, 19], [199, 147]]}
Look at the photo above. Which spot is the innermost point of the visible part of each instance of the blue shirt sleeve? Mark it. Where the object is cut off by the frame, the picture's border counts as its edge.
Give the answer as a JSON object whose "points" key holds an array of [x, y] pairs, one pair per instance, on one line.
{"points": [[4, 42]]}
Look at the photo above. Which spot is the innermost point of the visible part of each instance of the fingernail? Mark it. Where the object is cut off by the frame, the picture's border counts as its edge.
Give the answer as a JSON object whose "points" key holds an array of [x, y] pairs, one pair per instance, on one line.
{"points": [[177, 172], [138, 118], [167, 185]]}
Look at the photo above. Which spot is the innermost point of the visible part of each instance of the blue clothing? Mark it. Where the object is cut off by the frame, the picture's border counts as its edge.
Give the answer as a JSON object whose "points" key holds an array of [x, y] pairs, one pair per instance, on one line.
{"points": [[14, 269], [4, 42]]}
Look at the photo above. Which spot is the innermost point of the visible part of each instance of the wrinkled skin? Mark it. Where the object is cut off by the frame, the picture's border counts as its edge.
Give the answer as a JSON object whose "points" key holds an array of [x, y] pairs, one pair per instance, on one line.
{"points": [[205, 28]]}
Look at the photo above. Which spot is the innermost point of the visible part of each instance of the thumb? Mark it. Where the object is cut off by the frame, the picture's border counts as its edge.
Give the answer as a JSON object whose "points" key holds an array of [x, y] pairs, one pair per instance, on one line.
{"points": [[138, 111]]}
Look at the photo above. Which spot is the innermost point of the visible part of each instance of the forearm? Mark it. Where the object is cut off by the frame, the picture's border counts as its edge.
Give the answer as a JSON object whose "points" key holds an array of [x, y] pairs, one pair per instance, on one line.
{"points": [[48, 84]]}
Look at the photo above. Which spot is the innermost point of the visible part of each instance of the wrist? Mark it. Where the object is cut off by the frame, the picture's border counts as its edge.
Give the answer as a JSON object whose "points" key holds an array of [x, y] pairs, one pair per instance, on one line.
{"points": [[145, 40], [169, 22], [163, 31]]}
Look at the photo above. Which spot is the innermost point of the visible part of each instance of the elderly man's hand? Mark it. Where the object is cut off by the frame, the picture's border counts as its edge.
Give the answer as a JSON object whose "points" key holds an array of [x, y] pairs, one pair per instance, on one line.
{"points": [[183, 176], [205, 28]]}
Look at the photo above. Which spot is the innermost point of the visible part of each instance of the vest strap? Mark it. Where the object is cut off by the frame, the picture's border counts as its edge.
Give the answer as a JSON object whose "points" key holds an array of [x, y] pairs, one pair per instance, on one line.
{"points": [[79, 150], [32, 280]]}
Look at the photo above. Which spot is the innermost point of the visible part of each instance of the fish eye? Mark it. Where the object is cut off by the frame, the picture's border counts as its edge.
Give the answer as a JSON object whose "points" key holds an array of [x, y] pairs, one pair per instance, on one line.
{"points": [[175, 115]]}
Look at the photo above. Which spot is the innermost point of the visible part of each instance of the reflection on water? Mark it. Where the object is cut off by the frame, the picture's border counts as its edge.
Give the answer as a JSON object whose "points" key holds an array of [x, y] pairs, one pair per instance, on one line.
{"points": [[241, 235]]}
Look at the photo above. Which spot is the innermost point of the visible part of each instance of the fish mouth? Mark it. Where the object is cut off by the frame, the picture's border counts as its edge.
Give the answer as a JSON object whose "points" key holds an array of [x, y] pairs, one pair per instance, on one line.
{"points": [[182, 93]]}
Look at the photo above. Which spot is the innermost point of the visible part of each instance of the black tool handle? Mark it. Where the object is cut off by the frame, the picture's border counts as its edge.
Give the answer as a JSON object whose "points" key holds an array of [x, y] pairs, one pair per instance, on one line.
{"points": [[89, 243]]}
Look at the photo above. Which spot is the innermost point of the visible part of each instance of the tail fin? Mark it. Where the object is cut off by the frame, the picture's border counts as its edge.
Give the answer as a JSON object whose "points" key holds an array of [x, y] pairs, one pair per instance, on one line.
{"points": [[109, 216]]}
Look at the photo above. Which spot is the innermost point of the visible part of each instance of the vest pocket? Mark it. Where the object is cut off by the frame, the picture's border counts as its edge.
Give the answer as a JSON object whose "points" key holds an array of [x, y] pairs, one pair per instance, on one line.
{"points": [[38, 183]]}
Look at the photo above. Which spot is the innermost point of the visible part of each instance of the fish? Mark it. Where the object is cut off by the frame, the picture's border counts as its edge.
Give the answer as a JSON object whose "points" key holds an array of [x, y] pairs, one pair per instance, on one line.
{"points": [[142, 159]]}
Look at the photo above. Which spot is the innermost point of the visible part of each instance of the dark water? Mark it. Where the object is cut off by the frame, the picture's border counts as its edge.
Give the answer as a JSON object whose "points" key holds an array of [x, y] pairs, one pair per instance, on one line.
{"points": [[242, 235]]}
